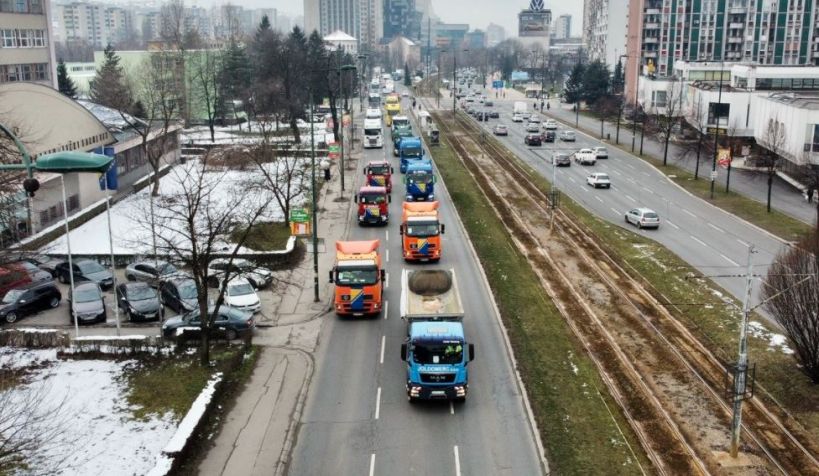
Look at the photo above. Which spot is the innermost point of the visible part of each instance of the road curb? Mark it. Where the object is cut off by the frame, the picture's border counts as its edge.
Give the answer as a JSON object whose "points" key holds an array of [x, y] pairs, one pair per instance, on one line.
{"points": [[298, 411]]}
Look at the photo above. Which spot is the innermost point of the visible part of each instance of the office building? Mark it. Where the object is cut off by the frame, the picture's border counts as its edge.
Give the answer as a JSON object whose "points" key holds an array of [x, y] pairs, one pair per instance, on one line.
{"points": [[495, 34], [401, 18], [563, 27], [361, 19], [26, 46]]}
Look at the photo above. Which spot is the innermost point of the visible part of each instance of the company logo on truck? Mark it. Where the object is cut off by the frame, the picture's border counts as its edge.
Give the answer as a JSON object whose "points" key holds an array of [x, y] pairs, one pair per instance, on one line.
{"points": [[357, 299]]}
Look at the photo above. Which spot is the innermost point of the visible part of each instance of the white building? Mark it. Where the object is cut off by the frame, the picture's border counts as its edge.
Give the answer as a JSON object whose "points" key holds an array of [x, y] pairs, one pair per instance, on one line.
{"points": [[26, 44], [563, 27], [339, 39], [96, 23], [605, 25]]}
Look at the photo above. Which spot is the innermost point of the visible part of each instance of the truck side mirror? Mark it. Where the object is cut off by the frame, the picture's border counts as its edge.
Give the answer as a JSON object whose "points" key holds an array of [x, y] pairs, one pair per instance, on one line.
{"points": [[471, 352], [404, 352], [364, 170], [443, 228], [400, 229], [383, 275], [389, 198], [355, 198], [331, 275], [392, 170]]}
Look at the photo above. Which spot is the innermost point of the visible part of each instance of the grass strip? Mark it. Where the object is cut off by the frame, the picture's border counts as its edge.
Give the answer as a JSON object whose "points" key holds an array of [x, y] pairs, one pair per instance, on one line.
{"points": [[268, 236], [577, 429]]}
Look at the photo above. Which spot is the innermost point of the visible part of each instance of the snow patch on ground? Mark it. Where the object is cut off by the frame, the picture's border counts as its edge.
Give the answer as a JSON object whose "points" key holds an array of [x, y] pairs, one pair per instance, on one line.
{"points": [[12, 358], [775, 341]]}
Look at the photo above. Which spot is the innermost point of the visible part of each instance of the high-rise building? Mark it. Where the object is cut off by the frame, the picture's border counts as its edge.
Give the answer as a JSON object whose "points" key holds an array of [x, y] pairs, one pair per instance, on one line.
{"points": [[97, 24], [475, 40], [495, 34], [26, 46], [563, 27], [361, 19], [198, 19], [371, 28], [534, 24], [402, 18], [604, 29]]}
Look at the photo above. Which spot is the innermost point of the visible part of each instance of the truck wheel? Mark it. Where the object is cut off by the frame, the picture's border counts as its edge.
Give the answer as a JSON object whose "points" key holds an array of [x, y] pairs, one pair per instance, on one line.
{"points": [[460, 399], [412, 400]]}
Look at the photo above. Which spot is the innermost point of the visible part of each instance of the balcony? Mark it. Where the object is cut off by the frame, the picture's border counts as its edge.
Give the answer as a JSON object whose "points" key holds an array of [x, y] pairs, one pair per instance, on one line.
{"points": [[650, 54], [736, 26], [737, 10], [734, 39], [652, 11], [815, 54], [651, 26], [650, 40]]}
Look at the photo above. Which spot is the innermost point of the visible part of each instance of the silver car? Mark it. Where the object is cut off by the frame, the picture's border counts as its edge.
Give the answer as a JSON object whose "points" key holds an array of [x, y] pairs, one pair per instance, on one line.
{"points": [[643, 218], [561, 158], [86, 304], [152, 272]]}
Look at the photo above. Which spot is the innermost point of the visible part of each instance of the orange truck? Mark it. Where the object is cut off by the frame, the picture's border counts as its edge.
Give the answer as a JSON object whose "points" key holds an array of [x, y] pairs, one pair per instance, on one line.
{"points": [[421, 231], [358, 277]]}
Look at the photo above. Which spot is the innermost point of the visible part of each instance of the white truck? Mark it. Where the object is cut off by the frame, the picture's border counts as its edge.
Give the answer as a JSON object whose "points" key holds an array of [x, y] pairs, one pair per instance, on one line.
{"points": [[373, 134], [519, 112]]}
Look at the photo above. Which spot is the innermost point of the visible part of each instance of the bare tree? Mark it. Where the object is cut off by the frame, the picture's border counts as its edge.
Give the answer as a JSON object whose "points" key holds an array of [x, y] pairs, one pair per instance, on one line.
{"points": [[665, 117], [696, 118], [792, 291], [172, 22], [204, 69], [773, 140], [282, 175]]}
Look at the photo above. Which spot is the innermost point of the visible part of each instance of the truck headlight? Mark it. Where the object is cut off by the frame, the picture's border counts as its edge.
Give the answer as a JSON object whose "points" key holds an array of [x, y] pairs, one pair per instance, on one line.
{"points": [[460, 391], [415, 391]]}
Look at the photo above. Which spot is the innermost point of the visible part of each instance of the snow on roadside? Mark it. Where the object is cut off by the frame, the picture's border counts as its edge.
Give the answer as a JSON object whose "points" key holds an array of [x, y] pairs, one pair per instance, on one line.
{"points": [[758, 330]]}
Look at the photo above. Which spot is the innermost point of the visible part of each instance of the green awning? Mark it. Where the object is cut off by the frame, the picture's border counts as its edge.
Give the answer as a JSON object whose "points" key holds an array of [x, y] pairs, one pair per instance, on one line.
{"points": [[64, 162]]}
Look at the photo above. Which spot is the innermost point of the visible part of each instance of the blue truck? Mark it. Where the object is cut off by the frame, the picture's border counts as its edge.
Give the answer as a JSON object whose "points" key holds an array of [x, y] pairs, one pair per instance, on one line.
{"points": [[436, 351], [409, 149], [420, 181]]}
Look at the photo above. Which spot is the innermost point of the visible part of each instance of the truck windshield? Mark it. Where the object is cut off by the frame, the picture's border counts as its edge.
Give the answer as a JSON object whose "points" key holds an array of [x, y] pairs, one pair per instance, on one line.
{"points": [[372, 199], [420, 176], [353, 276], [422, 229], [372, 132], [379, 169], [446, 352], [411, 152], [392, 112]]}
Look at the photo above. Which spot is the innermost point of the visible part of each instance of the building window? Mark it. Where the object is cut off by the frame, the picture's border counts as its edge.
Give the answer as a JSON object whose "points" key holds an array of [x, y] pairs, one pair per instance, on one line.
{"points": [[20, 6], [39, 38], [7, 39], [41, 72], [24, 38], [25, 74], [35, 6], [73, 202]]}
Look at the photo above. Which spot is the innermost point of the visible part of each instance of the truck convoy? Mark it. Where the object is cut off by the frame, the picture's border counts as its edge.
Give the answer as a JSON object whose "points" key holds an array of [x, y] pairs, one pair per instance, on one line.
{"points": [[373, 205], [409, 149], [421, 232], [399, 132], [379, 174], [373, 137], [419, 181], [392, 105], [436, 351], [358, 278]]}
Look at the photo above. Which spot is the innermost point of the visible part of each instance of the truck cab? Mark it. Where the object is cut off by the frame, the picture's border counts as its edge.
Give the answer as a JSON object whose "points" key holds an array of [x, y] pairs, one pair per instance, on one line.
{"points": [[358, 278], [373, 205], [419, 181], [392, 106], [398, 134], [421, 232], [436, 350], [373, 137], [409, 150], [379, 174]]}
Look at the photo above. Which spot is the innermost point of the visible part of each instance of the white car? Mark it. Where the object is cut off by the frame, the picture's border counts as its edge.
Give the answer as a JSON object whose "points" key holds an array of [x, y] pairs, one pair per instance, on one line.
{"points": [[550, 125], [373, 113], [567, 136], [643, 218], [599, 179], [240, 294], [532, 127], [534, 118], [601, 153], [257, 276], [585, 157], [517, 117]]}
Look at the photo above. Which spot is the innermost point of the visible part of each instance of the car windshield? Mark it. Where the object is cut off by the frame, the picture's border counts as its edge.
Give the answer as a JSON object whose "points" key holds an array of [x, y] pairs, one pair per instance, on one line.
{"points": [[650, 215], [140, 293], [372, 198], [419, 176], [358, 275], [240, 289], [602, 177], [372, 132], [401, 123], [167, 268], [411, 151], [187, 289], [422, 229], [500, 128], [379, 169], [602, 150], [447, 352], [88, 267], [12, 296], [87, 295]]}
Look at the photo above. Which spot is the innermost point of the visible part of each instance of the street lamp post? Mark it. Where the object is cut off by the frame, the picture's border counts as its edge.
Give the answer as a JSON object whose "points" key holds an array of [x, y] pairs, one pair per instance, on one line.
{"points": [[313, 214], [454, 79], [717, 113], [438, 93]]}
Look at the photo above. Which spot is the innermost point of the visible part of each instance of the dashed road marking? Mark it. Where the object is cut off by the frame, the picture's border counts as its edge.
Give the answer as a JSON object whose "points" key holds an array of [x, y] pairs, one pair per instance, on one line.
{"points": [[615, 211], [716, 228], [630, 198], [383, 345], [457, 461], [743, 243], [698, 240], [388, 255], [387, 235], [451, 407], [672, 224], [599, 199], [729, 260], [372, 464], [378, 403], [686, 211], [386, 309]]}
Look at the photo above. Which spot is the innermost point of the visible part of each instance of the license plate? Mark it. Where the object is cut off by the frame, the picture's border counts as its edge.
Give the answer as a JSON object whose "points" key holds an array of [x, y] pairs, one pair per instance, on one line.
{"points": [[438, 393]]}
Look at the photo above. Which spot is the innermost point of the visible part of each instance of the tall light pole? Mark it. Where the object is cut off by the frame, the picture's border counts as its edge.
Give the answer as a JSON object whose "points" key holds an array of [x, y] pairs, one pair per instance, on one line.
{"points": [[438, 95], [362, 58], [314, 210], [717, 113], [454, 79]]}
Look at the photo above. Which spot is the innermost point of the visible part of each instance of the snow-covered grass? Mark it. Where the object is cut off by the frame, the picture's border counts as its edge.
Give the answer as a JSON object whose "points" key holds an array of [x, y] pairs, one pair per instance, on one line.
{"points": [[249, 133]]}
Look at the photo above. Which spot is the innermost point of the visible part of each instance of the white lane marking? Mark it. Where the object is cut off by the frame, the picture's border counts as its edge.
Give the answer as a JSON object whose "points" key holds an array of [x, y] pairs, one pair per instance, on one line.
{"points": [[716, 228], [378, 403], [646, 174], [585, 189], [672, 224], [616, 172], [630, 198], [388, 255], [698, 240], [686, 211], [729, 260], [648, 190], [386, 309], [457, 461], [615, 211], [386, 280], [387, 237], [742, 242], [628, 165], [573, 180], [451, 408], [372, 464], [599, 199], [383, 344]]}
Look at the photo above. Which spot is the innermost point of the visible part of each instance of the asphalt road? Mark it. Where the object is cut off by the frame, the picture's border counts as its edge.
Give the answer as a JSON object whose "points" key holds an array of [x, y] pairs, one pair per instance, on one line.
{"points": [[357, 419], [711, 240]]}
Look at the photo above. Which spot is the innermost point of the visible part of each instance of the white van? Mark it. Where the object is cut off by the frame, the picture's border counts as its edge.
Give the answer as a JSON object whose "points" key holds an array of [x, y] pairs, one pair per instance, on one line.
{"points": [[373, 135]]}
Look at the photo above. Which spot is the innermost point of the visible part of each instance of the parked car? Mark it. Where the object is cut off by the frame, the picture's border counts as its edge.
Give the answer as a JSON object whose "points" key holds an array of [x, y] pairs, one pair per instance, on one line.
{"points": [[500, 130], [232, 322], [585, 157], [179, 294], [561, 158], [599, 179], [550, 125], [567, 136], [533, 127], [139, 301], [259, 277], [86, 270], [21, 302], [532, 139], [86, 304], [548, 136], [240, 294], [601, 153], [151, 272], [46, 263], [20, 274], [643, 218]]}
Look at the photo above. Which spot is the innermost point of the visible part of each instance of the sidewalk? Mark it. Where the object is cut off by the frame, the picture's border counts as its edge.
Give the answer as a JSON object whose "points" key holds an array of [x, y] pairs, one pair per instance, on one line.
{"points": [[754, 185], [256, 434]]}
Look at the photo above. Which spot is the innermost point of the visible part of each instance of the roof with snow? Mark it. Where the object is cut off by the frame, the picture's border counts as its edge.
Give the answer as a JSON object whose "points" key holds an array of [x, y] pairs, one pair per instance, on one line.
{"points": [[120, 124], [339, 35]]}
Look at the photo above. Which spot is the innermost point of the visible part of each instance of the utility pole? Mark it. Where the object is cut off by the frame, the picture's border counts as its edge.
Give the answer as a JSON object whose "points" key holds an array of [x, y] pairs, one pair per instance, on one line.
{"points": [[454, 79], [438, 94], [716, 132], [429, 44], [741, 375], [313, 214]]}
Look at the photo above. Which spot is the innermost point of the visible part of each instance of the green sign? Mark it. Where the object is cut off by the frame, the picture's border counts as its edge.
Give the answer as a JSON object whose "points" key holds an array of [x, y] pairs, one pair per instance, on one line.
{"points": [[334, 148], [299, 215]]}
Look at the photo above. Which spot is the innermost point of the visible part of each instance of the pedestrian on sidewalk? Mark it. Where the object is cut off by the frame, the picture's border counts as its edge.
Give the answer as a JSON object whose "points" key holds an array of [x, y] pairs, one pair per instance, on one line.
{"points": [[325, 166], [541, 104], [810, 194]]}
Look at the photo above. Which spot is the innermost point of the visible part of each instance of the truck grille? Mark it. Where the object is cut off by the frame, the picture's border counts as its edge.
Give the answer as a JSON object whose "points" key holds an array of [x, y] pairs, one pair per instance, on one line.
{"points": [[437, 378]]}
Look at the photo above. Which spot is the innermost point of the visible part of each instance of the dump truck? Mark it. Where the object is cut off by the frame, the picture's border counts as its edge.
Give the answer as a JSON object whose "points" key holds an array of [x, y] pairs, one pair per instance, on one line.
{"points": [[421, 232], [373, 205], [419, 181], [379, 174], [436, 351], [358, 278]]}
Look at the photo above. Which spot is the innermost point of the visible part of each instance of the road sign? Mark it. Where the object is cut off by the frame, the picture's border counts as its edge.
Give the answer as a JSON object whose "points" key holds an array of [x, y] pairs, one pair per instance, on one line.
{"points": [[300, 224], [299, 215], [497, 84]]}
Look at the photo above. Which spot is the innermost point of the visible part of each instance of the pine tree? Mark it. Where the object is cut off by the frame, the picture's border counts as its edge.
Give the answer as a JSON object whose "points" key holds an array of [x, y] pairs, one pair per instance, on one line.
{"points": [[108, 87], [64, 82], [595, 84], [618, 78], [574, 85], [407, 80], [264, 25]]}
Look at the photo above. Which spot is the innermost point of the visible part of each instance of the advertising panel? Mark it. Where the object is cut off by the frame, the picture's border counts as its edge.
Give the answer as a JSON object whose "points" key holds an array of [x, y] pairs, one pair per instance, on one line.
{"points": [[533, 24]]}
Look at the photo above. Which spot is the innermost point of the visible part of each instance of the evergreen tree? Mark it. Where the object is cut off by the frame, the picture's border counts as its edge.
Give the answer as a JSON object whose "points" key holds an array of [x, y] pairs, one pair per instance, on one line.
{"points": [[64, 83], [618, 78], [595, 84], [234, 77], [407, 80], [574, 85], [108, 86], [317, 57], [264, 25]]}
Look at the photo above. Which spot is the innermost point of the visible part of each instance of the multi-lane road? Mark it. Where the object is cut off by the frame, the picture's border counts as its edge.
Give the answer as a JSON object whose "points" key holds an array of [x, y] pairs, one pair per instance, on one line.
{"points": [[711, 240], [357, 420]]}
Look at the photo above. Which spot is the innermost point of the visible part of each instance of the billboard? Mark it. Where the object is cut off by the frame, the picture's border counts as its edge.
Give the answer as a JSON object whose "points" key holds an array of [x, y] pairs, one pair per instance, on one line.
{"points": [[533, 24]]}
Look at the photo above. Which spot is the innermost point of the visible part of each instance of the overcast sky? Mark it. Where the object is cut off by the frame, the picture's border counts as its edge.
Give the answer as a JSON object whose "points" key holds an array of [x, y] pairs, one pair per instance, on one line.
{"points": [[478, 13]]}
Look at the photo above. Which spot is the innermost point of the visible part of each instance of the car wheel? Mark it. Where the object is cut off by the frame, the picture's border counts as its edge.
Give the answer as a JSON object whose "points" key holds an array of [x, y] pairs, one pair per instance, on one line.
{"points": [[213, 282], [231, 334], [54, 302], [627, 222], [11, 317], [640, 225], [130, 277]]}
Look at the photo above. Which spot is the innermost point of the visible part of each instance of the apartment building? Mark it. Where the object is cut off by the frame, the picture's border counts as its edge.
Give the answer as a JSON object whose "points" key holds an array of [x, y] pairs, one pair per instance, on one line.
{"points": [[96, 23], [604, 29], [26, 46], [563, 27], [365, 20]]}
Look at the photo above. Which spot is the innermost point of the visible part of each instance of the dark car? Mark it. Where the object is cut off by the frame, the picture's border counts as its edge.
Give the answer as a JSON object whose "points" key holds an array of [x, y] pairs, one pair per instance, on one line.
{"points": [[19, 275], [140, 301], [532, 139], [232, 322], [86, 304], [548, 136], [151, 272], [561, 158], [46, 263], [86, 270], [21, 302], [179, 294], [494, 114]]}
